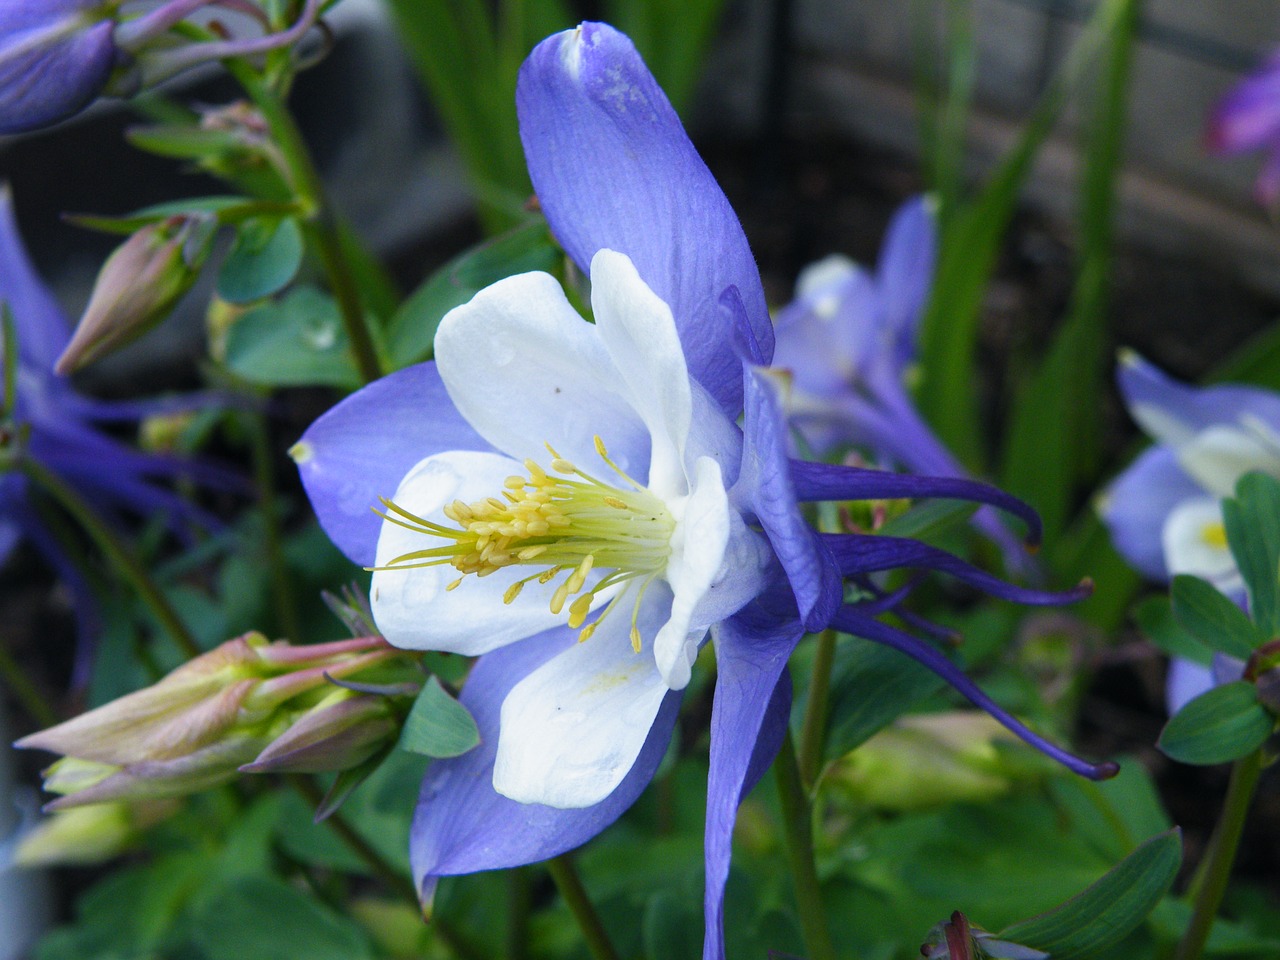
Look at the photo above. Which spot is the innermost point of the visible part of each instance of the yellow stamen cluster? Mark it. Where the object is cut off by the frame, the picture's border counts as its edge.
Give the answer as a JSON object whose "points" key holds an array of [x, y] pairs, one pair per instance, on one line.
{"points": [[565, 520]]}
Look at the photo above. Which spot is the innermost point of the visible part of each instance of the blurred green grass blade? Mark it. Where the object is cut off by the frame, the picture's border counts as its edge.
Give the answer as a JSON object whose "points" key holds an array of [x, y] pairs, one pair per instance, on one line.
{"points": [[1110, 909], [672, 37], [1052, 444], [970, 245], [468, 61], [1085, 550]]}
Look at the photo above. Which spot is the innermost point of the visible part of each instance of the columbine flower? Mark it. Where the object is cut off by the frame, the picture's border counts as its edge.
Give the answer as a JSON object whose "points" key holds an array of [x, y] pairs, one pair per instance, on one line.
{"points": [[1165, 510], [848, 341], [576, 503], [54, 425], [1248, 118], [58, 56]]}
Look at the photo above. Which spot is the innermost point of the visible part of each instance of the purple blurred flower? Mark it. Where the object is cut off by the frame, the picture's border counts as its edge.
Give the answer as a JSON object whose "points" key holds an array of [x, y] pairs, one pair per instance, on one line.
{"points": [[848, 341], [56, 426], [494, 453], [1247, 119], [1165, 510], [58, 56]]}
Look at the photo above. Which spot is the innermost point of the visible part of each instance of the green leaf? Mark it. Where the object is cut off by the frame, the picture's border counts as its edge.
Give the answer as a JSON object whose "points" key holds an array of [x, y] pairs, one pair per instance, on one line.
{"points": [[1108, 910], [131, 223], [871, 686], [261, 918], [438, 725], [293, 342], [1213, 619], [1154, 617], [1252, 521], [967, 257], [265, 258], [929, 519], [413, 328], [1220, 725]]}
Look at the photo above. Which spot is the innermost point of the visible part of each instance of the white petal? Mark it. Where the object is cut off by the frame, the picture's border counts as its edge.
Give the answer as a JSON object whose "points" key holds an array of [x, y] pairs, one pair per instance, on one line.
{"points": [[525, 370], [1218, 456], [1194, 543], [571, 730], [698, 547], [412, 608], [639, 332], [822, 279]]}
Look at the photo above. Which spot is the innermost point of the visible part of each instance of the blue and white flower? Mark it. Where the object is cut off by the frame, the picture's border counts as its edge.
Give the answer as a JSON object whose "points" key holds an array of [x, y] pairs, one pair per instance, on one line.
{"points": [[578, 505]]}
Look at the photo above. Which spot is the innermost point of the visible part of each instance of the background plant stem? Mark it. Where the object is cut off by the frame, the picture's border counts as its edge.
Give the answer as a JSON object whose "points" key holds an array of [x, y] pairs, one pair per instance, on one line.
{"points": [[813, 732], [1212, 883], [575, 897], [118, 555], [796, 814]]}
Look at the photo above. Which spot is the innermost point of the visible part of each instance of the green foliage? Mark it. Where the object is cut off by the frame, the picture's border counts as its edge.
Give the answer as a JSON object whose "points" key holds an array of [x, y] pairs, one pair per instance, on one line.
{"points": [[412, 330], [295, 341], [1212, 619], [264, 259], [1252, 520], [438, 726], [1220, 725], [1108, 910]]}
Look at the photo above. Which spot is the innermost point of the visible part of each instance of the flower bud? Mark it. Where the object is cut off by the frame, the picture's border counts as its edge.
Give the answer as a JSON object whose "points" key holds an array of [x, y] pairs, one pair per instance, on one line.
{"points": [[927, 760], [341, 731], [56, 56], [197, 726], [139, 285], [87, 835]]}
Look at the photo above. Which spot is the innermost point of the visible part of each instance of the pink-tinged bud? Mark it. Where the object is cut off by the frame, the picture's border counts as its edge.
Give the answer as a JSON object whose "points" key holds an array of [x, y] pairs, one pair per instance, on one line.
{"points": [[139, 285], [195, 727], [342, 731], [88, 835]]}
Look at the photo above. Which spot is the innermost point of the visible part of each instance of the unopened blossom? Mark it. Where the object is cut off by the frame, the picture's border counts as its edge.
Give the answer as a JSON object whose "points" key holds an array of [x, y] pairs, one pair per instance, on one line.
{"points": [[58, 427], [1165, 511], [59, 56], [576, 504], [849, 344], [1248, 119], [197, 726]]}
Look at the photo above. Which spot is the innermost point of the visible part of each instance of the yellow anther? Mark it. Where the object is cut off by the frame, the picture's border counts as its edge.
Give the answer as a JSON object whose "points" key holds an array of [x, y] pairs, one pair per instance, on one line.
{"points": [[587, 631], [546, 576], [635, 638], [600, 448], [616, 503], [559, 597], [579, 609], [496, 503], [514, 483], [513, 591], [579, 576], [455, 584], [563, 466], [528, 553], [536, 473]]}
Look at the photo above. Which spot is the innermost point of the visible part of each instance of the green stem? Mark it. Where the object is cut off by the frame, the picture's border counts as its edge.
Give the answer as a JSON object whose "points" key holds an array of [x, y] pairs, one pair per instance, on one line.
{"points": [[814, 729], [24, 691], [117, 553], [265, 480], [321, 223], [1222, 855], [798, 825], [519, 903], [575, 897]]}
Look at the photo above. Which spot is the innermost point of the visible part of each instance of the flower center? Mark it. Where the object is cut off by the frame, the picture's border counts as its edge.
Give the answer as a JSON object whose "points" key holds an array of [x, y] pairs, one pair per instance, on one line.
{"points": [[563, 522]]}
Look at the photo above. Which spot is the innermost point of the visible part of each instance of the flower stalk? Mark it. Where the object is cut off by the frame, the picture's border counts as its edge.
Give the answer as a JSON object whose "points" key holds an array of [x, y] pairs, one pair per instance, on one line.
{"points": [[813, 731], [575, 897], [1211, 883], [320, 222], [798, 826], [117, 553]]}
